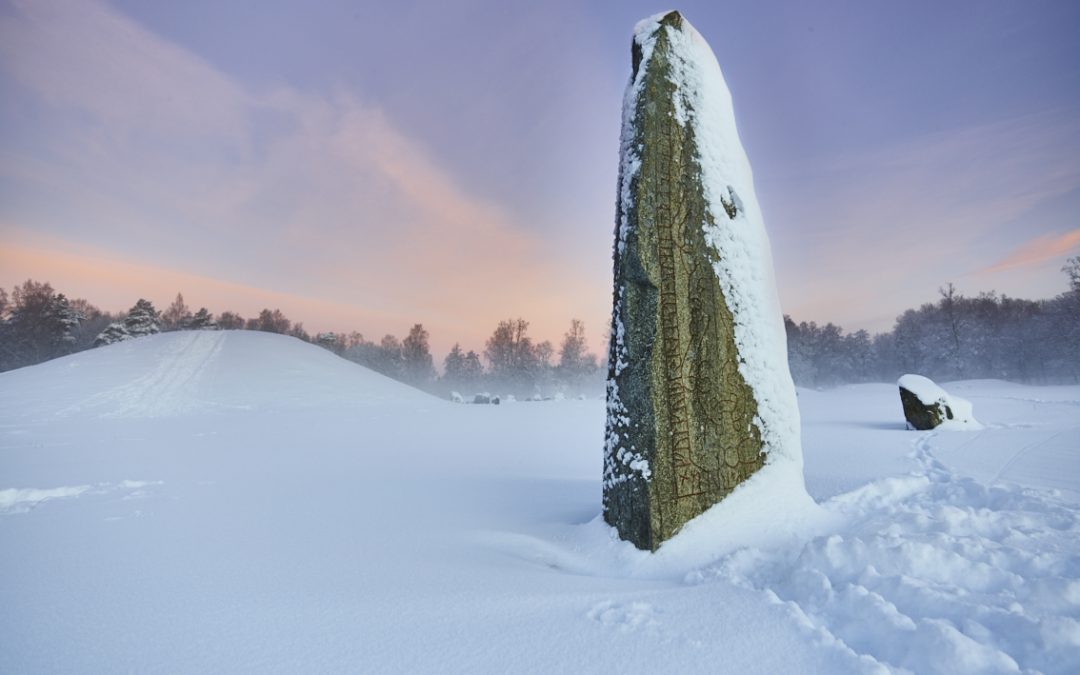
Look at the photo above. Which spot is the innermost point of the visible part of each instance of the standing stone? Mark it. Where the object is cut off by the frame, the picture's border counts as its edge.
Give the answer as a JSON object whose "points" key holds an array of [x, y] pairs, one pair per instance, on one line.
{"points": [[699, 393]]}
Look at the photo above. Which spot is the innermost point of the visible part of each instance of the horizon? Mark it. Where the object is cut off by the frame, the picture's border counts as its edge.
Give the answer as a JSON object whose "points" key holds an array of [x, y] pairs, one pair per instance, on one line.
{"points": [[253, 157]]}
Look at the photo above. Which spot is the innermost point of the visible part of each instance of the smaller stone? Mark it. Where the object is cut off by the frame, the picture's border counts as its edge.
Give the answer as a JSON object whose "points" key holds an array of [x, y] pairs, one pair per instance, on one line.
{"points": [[928, 406]]}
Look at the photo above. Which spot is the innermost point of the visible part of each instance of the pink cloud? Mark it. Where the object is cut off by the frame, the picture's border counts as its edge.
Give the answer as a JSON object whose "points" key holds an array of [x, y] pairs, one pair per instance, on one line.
{"points": [[1038, 250]]}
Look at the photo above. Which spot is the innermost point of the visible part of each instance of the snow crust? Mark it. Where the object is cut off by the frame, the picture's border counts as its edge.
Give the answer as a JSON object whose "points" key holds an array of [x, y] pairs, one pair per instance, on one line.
{"points": [[930, 393], [294, 512]]}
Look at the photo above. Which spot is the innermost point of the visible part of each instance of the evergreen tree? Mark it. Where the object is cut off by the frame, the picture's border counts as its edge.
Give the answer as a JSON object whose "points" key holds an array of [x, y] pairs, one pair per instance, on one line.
{"points": [[202, 320], [388, 359], [462, 370], [472, 370], [113, 333], [66, 320], [330, 341], [142, 319], [40, 325], [453, 365]]}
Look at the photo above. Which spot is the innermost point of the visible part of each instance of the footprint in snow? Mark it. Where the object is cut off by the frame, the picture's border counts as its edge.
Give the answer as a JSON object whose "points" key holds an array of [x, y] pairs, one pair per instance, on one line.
{"points": [[626, 618]]}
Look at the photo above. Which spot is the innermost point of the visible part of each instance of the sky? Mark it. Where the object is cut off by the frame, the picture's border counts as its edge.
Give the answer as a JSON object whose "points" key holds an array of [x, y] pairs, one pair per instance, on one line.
{"points": [[368, 166]]}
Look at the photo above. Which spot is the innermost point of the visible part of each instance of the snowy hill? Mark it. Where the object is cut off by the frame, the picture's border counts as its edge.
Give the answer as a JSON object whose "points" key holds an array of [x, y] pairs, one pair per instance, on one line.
{"points": [[244, 502], [200, 371]]}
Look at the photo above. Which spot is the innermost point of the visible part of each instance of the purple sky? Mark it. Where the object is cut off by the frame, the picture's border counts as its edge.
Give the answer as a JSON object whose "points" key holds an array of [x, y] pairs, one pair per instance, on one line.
{"points": [[368, 167]]}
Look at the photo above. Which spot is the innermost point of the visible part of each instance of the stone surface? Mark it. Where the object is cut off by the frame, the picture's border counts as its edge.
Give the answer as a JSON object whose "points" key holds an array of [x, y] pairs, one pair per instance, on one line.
{"points": [[923, 416], [682, 429]]}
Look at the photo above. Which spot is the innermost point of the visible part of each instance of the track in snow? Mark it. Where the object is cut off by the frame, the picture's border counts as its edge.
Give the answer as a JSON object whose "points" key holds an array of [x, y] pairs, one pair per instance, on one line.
{"points": [[934, 573], [170, 387]]}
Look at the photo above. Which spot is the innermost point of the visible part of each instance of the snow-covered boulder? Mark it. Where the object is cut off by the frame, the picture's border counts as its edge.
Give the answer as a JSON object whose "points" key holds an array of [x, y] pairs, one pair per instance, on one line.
{"points": [[928, 406]]}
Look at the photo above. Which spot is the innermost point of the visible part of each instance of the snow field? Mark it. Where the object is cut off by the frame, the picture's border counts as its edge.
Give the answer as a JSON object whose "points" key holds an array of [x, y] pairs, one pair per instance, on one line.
{"points": [[284, 510]]}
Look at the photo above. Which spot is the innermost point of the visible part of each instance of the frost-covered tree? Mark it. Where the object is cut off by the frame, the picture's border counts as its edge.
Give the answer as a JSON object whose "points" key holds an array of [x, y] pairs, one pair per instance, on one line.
{"points": [[389, 360], [113, 333], [40, 324], [574, 357], [511, 356], [93, 322], [142, 319], [453, 364], [417, 365], [1072, 271], [331, 342], [472, 369], [462, 370], [382, 357]]}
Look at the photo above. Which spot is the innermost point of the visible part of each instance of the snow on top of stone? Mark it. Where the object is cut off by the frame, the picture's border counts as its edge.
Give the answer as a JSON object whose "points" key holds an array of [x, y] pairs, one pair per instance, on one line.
{"points": [[745, 267], [924, 388]]}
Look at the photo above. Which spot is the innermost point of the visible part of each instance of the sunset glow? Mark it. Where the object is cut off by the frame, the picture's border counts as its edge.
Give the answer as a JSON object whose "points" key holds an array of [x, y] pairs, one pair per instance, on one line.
{"points": [[145, 153]]}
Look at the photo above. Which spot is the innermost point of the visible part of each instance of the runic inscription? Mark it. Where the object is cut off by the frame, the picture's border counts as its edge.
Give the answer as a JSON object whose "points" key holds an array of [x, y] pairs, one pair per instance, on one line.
{"points": [[674, 382]]}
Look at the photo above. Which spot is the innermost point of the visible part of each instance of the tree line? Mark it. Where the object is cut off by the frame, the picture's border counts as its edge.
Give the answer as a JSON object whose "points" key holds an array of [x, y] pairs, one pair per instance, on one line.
{"points": [[955, 337], [38, 324], [510, 363]]}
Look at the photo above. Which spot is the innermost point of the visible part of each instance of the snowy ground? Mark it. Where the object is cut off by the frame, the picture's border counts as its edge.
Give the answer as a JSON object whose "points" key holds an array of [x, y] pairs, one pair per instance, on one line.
{"points": [[243, 502]]}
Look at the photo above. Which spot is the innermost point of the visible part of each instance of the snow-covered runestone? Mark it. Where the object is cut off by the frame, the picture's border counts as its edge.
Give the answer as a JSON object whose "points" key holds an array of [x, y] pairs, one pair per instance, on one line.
{"points": [[693, 278]]}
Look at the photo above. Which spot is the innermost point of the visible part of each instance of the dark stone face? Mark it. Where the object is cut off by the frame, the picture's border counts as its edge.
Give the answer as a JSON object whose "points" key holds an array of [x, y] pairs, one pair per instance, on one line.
{"points": [[676, 397], [922, 416]]}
